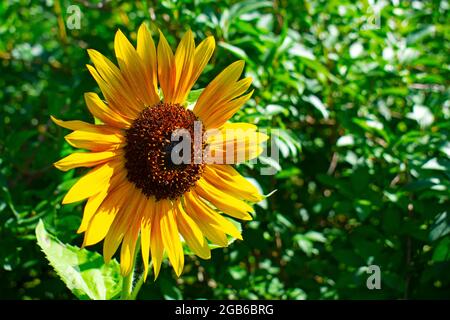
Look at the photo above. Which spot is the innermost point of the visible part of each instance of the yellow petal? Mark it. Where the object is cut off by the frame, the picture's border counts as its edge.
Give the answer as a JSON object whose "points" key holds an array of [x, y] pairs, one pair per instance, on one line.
{"points": [[170, 237], [117, 95], [133, 69], [232, 146], [204, 214], [218, 88], [90, 208], [235, 134], [115, 234], [239, 126], [112, 75], [127, 251], [224, 202], [103, 112], [91, 183], [146, 227], [191, 233], [184, 60], [166, 68], [202, 55], [231, 182], [232, 155], [212, 231], [147, 51], [96, 139], [126, 217], [129, 243], [225, 111], [96, 200], [73, 124], [156, 243], [85, 159], [106, 213], [230, 92]]}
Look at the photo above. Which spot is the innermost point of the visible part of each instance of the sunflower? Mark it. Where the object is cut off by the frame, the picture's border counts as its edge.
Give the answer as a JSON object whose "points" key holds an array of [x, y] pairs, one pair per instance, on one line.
{"points": [[136, 194]]}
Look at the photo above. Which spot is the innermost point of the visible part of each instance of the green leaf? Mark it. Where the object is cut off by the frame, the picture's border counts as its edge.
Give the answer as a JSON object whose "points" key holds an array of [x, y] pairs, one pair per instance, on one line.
{"points": [[373, 126], [193, 97], [345, 141], [437, 164], [291, 141], [288, 173], [363, 209], [304, 244], [270, 162], [315, 236], [249, 6], [83, 271], [238, 52], [319, 68], [422, 115], [442, 251], [440, 228], [318, 104], [274, 109], [237, 272], [169, 288], [284, 221]]}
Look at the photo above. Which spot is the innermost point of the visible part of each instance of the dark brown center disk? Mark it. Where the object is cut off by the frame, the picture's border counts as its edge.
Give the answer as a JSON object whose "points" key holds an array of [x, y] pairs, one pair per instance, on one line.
{"points": [[148, 152]]}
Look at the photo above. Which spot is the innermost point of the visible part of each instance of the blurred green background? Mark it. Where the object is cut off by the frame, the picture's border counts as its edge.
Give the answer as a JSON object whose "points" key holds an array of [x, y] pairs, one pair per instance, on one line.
{"points": [[361, 101]]}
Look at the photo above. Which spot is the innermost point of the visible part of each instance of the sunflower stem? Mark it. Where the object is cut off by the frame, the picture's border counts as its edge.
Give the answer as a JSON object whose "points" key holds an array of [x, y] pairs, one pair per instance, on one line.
{"points": [[137, 287], [127, 282], [127, 285], [139, 284]]}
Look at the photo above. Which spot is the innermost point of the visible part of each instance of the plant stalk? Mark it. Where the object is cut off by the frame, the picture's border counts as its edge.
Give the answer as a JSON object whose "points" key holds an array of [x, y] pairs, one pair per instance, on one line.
{"points": [[127, 282]]}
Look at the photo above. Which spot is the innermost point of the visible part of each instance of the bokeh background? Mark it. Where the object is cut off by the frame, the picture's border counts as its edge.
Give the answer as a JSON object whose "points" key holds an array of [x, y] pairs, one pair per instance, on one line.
{"points": [[361, 101]]}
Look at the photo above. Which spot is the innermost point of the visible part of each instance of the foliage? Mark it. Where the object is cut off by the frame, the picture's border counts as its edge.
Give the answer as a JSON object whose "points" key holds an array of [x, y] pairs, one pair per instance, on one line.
{"points": [[362, 112], [83, 271]]}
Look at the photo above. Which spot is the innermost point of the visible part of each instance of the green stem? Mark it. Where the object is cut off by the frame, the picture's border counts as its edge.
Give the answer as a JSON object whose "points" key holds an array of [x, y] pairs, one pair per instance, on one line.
{"points": [[127, 285], [137, 287], [127, 282]]}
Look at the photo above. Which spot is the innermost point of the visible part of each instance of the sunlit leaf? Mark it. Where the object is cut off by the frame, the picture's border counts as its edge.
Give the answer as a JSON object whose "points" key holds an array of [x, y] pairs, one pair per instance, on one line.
{"points": [[84, 272]]}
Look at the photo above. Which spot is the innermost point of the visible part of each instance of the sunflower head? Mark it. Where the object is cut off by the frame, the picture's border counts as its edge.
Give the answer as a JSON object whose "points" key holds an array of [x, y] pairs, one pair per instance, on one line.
{"points": [[149, 150], [136, 188]]}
